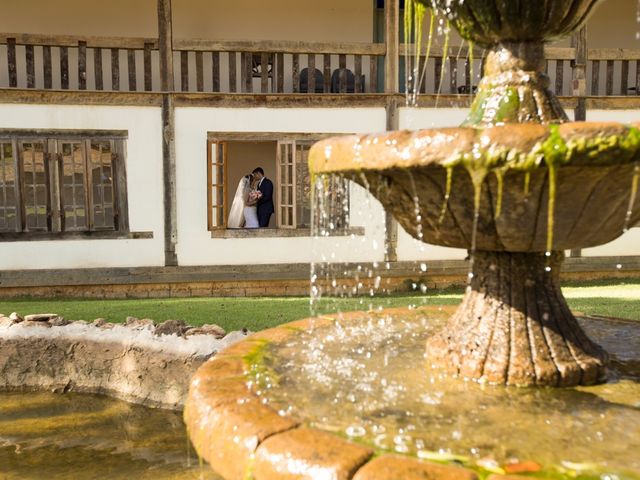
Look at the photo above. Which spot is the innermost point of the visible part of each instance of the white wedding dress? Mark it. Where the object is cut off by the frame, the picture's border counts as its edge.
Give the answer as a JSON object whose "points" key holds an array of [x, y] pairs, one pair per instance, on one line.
{"points": [[243, 215]]}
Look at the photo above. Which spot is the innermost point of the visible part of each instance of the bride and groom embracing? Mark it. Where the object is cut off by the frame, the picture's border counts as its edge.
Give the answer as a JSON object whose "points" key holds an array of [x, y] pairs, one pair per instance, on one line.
{"points": [[252, 206]]}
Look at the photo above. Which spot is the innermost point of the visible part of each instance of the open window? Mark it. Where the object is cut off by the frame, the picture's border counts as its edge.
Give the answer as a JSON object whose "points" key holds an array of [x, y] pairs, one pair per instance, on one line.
{"points": [[284, 158], [62, 183]]}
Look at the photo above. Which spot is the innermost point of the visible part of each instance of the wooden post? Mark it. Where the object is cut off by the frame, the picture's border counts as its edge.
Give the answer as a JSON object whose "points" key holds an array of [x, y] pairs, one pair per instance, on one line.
{"points": [[579, 84], [579, 73], [392, 43], [165, 45], [391, 86], [391, 224]]}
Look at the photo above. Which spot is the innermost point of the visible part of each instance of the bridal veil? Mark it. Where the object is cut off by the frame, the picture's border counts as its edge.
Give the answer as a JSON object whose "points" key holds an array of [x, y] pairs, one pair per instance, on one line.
{"points": [[236, 215]]}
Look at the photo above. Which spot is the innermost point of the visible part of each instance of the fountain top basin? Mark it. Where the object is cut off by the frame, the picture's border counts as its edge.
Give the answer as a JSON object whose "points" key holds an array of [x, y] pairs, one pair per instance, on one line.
{"points": [[496, 21], [433, 180]]}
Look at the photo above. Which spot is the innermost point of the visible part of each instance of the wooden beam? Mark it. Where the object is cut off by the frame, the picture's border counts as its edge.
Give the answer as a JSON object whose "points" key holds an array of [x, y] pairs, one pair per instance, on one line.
{"points": [[392, 46], [31, 71], [82, 65], [165, 45], [579, 73], [148, 73], [72, 40], [390, 223], [614, 53], [67, 97], [11, 63], [579, 84], [277, 46], [169, 181]]}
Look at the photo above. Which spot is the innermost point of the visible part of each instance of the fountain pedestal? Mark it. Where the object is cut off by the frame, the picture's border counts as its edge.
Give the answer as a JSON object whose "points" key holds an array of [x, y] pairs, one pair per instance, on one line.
{"points": [[514, 326], [515, 87]]}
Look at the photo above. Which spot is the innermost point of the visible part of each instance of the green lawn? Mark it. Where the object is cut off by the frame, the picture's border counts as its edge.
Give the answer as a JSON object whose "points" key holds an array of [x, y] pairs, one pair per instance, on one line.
{"points": [[610, 299]]}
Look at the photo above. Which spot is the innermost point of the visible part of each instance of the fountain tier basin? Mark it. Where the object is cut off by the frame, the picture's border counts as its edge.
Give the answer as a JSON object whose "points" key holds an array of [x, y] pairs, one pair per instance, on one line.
{"points": [[516, 196], [351, 396], [430, 180]]}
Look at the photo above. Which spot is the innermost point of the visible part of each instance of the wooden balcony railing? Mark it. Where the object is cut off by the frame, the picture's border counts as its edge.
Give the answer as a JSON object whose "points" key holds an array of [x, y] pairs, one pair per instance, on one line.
{"points": [[277, 67], [47, 62], [132, 64]]}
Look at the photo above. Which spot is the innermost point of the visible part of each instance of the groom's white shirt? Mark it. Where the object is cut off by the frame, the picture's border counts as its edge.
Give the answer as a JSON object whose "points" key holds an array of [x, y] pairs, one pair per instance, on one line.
{"points": [[260, 182]]}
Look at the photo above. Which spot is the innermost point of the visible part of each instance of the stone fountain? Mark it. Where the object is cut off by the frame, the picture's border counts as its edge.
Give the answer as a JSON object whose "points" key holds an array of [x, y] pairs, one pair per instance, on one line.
{"points": [[516, 185]]}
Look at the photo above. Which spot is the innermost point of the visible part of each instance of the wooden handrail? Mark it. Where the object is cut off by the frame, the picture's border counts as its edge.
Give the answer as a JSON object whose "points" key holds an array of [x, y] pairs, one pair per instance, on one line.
{"points": [[551, 53], [197, 44], [277, 46], [613, 54], [72, 41], [273, 46]]}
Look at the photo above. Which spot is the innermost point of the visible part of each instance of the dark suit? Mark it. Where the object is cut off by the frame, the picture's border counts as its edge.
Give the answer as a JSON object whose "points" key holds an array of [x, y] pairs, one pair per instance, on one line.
{"points": [[265, 204]]}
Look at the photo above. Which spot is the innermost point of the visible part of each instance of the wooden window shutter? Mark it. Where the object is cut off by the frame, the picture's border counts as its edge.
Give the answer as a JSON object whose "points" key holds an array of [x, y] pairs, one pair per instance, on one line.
{"points": [[286, 182], [216, 185], [9, 188]]}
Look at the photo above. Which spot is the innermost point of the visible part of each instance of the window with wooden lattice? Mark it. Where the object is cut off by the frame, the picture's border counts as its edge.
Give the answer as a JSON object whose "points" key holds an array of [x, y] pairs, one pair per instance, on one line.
{"points": [[292, 179], [62, 182]]}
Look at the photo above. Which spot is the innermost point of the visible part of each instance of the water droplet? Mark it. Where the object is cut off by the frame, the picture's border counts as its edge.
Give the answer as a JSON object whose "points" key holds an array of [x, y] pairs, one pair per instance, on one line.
{"points": [[355, 431], [619, 266], [423, 267], [547, 268]]}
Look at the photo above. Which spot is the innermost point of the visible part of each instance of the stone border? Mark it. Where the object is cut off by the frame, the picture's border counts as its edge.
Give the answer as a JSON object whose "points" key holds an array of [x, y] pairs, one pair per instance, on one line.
{"points": [[241, 437], [139, 361]]}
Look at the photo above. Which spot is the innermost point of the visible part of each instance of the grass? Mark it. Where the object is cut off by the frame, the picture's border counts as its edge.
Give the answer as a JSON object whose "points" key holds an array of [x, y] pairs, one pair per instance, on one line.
{"points": [[604, 298]]}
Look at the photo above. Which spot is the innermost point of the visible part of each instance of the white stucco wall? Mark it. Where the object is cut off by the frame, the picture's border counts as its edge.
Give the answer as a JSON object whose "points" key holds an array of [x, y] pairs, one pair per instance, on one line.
{"points": [[410, 249], [195, 245], [629, 243], [144, 185]]}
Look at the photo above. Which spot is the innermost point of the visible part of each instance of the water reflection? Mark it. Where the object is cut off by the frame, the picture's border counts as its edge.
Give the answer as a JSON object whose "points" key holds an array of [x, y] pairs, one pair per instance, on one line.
{"points": [[87, 436]]}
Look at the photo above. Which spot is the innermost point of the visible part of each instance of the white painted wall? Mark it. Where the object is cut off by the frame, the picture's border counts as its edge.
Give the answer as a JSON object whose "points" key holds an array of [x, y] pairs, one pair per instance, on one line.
{"points": [[629, 243], [195, 245], [144, 185], [410, 249]]}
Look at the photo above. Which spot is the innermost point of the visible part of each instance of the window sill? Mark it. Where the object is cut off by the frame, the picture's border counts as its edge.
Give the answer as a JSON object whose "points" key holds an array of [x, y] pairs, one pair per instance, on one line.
{"points": [[277, 232], [43, 236]]}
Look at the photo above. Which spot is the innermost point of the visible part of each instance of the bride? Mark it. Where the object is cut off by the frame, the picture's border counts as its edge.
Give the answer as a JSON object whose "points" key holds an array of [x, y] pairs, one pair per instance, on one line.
{"points": [[244, 212]]}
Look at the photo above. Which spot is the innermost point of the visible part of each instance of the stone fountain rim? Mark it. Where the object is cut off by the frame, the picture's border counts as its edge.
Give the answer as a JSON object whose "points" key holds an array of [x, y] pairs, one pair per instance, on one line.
{"points": [[508, 146], [246, 436], [249, 439]]}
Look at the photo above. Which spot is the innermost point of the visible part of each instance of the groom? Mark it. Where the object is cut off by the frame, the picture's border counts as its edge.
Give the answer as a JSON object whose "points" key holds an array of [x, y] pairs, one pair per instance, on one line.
{"points": [[265, 203]]}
